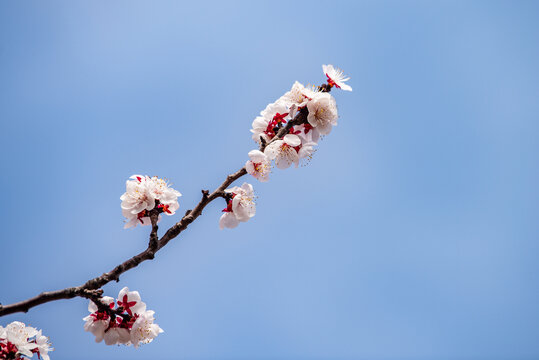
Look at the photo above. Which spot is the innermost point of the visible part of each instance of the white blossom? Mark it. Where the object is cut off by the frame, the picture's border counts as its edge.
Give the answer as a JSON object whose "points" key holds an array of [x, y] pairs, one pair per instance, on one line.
{"points": [[259, 166], [18, 334], [130, 301], [18, 339], [144, 329], [283, 151], [243, 203], [336, 77], [322, 113], [142, 193], [43, 346], [97, 322], [272, 116], [310, 92], [296, 96], [240, 208]]}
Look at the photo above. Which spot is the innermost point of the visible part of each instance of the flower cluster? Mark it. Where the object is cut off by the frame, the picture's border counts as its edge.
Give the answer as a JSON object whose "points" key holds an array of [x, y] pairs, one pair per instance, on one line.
{"points": [[18, 341], [129, 323], [240, 206], [144, 193], [314, 112]]}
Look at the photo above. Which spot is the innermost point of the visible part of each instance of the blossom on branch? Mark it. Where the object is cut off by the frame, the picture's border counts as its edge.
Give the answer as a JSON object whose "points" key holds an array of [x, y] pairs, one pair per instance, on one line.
{"points": [[259, 165], [322, 113], [271, 119], [18, 340], [284, 151], [296, 96], [287, 130], [240, 206], [129, 323], [144, 193], [336, 77], [98, 321]]}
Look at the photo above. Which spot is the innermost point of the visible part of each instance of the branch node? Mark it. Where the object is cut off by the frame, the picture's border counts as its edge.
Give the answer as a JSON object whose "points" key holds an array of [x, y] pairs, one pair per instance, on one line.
{"points": [[205, 194]]}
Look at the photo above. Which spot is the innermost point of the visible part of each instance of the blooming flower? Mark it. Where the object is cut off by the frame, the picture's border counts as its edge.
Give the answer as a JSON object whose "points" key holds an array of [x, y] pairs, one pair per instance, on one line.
{"points": [[322, 113], [270, 119], [283, 151], [240, 208], [17, 340], [130, 301], [43, 346], [336, 77], [129, 324], [296, 96], [259, 166], [144, 330], [142, 194], [311, 91], [98, 322]]}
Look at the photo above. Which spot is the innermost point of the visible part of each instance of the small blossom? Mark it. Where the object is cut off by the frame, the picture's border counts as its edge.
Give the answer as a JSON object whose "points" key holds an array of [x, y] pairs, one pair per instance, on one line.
{"points": [[296, 96], [310, 92], [322, 113], [336, 77], [43, 346], [270, 120], [259, 166], [144, 329], [283, 151], [98, 322], [240, 208], [130, 301], [142, 194]]}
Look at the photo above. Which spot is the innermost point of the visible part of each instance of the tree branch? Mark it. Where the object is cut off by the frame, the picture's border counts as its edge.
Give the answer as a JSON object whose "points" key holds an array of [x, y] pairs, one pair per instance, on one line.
{"points": [[90, 289]]}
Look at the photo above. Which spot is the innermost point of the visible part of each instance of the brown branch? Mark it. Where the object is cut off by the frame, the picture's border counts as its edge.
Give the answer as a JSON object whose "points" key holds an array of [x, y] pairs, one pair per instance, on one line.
{"points": [[91, 289]]}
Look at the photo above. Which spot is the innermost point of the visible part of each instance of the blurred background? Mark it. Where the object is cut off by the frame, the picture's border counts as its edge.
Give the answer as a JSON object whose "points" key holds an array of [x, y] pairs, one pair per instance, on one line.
{"points": [[412, 234]]}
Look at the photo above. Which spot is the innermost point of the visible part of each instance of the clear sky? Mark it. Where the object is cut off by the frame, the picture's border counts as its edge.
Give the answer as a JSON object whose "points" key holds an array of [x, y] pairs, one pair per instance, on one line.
{"points": [[412, 234]]}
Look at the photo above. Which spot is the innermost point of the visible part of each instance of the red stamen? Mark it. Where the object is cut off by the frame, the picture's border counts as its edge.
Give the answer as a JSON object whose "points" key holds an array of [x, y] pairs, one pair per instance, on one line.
{"points": [[295, 132], [279, 118], [308, 127], [164, 208], [140, 215], [127, 305], [332, 83], [228, 206]]}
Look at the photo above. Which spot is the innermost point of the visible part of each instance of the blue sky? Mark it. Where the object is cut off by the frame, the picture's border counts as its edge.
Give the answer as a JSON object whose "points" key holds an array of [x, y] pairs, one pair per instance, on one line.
{"points": [[413, 233]]}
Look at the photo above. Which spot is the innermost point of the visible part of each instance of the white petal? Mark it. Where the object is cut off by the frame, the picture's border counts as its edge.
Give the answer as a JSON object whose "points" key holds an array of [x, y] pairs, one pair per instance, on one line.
{"points": [[257, 156], [292, 140], [228, 220]]}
